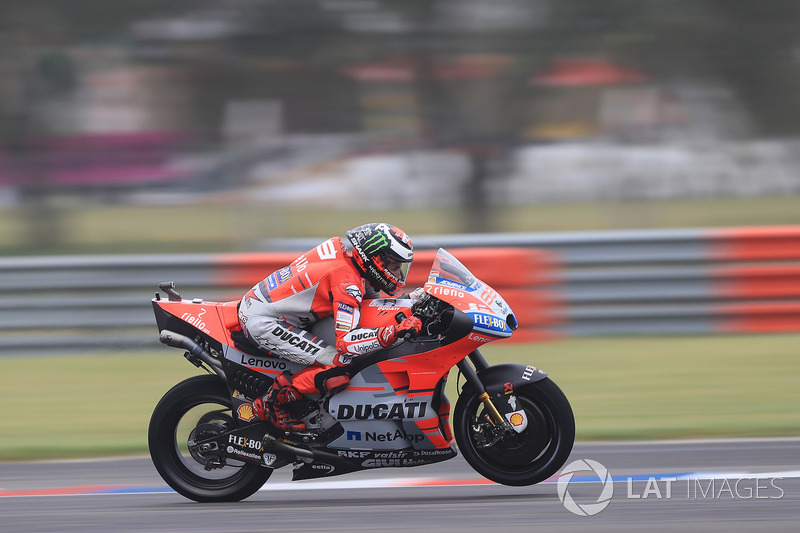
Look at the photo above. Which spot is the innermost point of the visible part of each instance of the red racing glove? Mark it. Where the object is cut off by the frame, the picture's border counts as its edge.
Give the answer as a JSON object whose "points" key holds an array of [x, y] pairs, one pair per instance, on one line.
{"points": [[408, 325], [387, 335]]}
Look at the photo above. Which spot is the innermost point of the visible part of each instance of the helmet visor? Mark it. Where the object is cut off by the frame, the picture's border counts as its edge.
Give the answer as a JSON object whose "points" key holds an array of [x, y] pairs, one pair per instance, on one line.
{"points": [[398, 269]]}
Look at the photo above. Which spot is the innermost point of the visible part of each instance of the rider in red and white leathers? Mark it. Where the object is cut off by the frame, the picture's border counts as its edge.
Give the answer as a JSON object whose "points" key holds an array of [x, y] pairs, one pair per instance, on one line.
{"points": [[330, 280]]}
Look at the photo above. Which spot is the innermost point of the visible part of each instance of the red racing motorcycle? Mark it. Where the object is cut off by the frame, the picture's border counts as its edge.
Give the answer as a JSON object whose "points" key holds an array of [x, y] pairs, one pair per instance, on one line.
{"points": [[513, 425]]}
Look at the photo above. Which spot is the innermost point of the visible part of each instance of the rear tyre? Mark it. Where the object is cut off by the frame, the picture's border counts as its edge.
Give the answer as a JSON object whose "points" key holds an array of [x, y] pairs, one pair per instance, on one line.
{"points": [[196, 409], [523, 458]]}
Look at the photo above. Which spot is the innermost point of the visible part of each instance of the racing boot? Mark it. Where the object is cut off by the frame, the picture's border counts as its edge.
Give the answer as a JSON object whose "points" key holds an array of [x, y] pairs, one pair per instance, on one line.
{"points": [[271, 408]]}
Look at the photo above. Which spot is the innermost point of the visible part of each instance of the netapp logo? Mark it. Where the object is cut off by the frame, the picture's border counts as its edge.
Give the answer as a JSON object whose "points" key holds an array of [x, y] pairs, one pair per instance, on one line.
{"points": [[388, 436]]}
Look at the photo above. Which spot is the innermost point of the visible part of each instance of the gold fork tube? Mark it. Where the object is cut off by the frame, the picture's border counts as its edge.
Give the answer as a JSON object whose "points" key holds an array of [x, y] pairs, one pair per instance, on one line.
{"points": [[495, 415]]}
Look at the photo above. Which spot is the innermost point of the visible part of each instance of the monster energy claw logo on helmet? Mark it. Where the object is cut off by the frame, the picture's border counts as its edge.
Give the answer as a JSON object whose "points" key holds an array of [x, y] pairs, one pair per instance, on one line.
{"points": [[374, 244]]}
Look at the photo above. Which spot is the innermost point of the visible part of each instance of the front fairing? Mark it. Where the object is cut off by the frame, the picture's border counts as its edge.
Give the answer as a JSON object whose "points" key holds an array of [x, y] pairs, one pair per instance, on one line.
{"points": [[451, 282]]}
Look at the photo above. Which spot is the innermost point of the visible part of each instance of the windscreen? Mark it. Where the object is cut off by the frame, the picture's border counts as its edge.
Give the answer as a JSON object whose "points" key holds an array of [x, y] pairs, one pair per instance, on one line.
{"points": [[448, 267]]}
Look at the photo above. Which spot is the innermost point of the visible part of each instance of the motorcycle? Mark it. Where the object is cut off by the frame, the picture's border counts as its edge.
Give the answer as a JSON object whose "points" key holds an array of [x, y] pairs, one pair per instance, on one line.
{"points": [[511, 422]]}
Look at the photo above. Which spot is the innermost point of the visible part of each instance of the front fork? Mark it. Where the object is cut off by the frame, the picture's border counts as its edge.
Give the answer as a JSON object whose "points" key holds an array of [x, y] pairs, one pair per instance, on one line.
{"points": [[501, 427]]}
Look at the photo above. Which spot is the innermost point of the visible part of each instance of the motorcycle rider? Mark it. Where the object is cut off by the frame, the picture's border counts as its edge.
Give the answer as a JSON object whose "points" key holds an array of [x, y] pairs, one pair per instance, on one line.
{"points": [[330, 280]]}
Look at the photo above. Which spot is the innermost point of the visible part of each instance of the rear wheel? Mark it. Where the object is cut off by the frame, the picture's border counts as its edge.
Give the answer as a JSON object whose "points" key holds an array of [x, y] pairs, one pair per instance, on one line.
{"points": [[196, 409], [521, 458]]}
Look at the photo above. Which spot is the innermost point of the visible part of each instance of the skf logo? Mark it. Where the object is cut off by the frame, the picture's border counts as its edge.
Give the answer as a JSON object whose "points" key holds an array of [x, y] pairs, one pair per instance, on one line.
{"points": [[245, 412]]}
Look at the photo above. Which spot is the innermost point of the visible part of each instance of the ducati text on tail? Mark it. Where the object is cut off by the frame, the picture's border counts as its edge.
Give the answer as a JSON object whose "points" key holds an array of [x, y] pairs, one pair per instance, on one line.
{"points": [[511, 422]]}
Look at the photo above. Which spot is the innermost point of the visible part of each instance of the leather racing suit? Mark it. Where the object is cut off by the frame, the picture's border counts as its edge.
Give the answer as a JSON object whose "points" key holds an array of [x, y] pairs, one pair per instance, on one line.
{"points": [[320, 283]]}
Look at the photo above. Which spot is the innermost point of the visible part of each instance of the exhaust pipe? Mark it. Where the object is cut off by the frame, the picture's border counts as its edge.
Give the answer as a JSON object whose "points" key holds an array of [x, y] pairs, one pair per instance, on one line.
{"points": [[176, 340]]}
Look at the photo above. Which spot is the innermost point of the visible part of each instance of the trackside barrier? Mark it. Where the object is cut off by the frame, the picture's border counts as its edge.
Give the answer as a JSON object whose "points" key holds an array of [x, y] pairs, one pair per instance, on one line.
{"points": [[703, 281]]}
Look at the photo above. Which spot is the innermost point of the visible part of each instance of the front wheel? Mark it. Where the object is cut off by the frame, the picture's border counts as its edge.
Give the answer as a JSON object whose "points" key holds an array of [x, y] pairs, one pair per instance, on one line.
{"points": [[196, 409], [522, 458]]}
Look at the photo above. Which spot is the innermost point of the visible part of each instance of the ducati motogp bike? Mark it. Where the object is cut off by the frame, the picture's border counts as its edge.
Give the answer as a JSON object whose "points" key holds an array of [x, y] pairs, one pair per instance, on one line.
{"points": [[511, 422]]}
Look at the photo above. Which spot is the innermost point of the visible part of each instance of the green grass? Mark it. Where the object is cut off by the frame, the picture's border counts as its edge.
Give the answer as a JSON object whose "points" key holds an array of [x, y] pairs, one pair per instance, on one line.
{"points": [[82, 406], [620, 388]]}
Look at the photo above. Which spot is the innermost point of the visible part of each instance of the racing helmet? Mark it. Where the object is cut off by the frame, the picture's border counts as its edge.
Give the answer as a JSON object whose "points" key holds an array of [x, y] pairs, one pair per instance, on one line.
{"points": [[383, 253]]}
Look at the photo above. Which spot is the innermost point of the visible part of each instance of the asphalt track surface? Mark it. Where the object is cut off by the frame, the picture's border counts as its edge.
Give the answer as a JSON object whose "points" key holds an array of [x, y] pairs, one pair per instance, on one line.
{"points": [[714, 485]]}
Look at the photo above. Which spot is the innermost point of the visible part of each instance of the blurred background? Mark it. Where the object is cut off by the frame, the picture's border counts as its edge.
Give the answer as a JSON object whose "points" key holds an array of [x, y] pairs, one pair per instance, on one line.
{"points": [[139, 137], [134, 126]]}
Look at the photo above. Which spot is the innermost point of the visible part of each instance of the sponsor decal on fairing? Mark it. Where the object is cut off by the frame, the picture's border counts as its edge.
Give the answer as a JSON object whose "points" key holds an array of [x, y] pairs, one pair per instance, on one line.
{"points": [[479, 338], [380, 463], [396, 454], [454, 284], [241, 453], [196, 321], [239, 396], [518, 420], [323, 467], [245, 412], [254, 361], [245, 443], [381, 411], [439, 290], [529, 371], [490, 324], [385, 436]]}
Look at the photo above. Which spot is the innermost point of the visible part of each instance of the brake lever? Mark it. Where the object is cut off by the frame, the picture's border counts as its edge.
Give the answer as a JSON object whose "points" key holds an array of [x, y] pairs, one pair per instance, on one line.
{"points": [[409, 335]]}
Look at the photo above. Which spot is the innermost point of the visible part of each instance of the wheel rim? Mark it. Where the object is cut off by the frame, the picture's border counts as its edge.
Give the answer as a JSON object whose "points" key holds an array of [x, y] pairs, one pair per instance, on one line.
{"points": [[191, 465], [526, 451]]}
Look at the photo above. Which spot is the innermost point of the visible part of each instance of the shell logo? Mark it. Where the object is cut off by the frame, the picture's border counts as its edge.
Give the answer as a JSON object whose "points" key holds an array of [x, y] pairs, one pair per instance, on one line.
{"points": [[516, 419], [245, 412]]}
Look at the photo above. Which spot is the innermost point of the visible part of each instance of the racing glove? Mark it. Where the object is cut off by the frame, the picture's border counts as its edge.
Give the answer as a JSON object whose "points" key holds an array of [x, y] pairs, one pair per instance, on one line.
{"points": [[409, 325], [388, 335]]}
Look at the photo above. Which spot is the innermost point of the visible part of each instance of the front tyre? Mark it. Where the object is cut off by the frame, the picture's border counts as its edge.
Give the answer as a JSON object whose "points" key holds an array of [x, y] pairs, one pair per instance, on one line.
{"points": [[523, 458], [196, 409]]}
